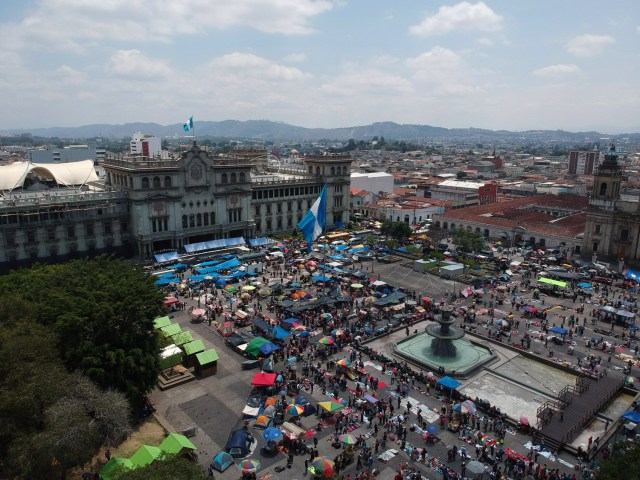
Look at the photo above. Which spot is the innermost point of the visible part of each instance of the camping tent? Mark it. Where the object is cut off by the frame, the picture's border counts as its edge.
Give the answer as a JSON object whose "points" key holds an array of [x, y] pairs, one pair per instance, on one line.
{"points": [[239, 444], [263, 379], [221, 462], [225, 329], [145, 455], [176, 444], [253, 348], [261, 422]]}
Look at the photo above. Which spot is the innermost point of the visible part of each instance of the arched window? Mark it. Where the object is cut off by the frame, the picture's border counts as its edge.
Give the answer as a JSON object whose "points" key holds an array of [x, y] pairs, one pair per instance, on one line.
{"points": [[317, 170], [223, 178], [233, 177], [445, 225], [344, 170], [145, 183], [192, 220], [310, 170], [130, 182], [242, 177], [213, 218], [167, 182], [199, 220], [205, 218], [333, 171], [185, 222], [603, 189], [156, 182]]}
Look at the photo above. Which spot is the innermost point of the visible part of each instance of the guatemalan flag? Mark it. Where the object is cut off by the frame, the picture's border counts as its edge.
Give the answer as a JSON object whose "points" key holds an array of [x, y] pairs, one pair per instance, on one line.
{"points": [[188, 125], [313, 222]]}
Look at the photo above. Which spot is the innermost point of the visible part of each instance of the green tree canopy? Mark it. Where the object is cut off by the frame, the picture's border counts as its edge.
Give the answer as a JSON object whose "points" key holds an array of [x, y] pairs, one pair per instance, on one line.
{"points": [[399, 231], [167, 467], [468, 240], [102, 312], [623, 463]]}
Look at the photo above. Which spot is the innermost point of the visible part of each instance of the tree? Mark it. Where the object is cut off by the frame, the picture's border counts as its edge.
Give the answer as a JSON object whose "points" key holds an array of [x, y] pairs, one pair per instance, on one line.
{"points": [[468, 240], [624, 462], [102, 312], [399, 231], [172, 467], [461, 174]]}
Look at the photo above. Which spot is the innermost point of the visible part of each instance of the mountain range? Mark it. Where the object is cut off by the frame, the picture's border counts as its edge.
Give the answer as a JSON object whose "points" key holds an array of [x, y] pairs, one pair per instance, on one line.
{"points": [[266, 130]]}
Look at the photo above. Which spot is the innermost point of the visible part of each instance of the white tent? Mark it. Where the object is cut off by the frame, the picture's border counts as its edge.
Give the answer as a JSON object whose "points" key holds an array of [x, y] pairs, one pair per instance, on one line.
{"points": [[68, 174]]}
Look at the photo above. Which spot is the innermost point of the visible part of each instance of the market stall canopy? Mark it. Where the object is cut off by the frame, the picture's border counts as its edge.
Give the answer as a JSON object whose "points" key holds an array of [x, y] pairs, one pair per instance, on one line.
{"points": [[161, 322], [214, 244], [145, 455], [193, 347], [207, 357], [449, 382], [558, 330], [68, 173], [253, 348], [113, 464], [393, 297], [263, 379], [280, 333], [166, 257], [182, 338], [171, 330], [176, 444], [632, 416], [258, 242]]}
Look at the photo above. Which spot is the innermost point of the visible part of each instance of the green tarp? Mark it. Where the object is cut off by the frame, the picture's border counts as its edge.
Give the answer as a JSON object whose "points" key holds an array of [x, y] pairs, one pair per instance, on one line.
{"points": [[555, 283], [193, 347], [175, 444], [207, 357], [145, 455], [182, 338], [253, 348], [161, 322], [170, 330]]}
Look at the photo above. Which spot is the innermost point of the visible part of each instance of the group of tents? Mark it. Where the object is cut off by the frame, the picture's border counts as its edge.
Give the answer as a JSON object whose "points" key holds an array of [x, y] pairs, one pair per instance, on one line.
{"points": [[175, 445]]}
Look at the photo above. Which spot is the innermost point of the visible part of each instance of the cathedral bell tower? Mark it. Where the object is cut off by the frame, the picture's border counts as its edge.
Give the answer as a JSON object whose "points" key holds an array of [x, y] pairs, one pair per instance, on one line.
{"points": [[606, 182]]}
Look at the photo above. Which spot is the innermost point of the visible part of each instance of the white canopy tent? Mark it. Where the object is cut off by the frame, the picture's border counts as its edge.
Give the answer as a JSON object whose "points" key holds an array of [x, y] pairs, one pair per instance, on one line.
{"points": [[67, 174]]}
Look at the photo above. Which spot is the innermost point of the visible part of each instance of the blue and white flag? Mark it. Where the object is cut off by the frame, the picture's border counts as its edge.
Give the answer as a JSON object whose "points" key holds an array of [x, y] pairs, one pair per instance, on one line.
{"points": [[188, 125], [313, 222]]}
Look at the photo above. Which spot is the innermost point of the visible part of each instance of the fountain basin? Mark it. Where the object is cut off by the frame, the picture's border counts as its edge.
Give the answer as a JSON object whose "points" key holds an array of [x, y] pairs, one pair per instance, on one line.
{"points": [[468, 357]]}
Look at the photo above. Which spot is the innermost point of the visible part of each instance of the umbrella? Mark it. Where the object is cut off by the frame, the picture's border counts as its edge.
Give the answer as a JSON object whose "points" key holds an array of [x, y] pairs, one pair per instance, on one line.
{"points": [[294, 410], [461, 408], [432, 429], [245, 296], [249, 465], [356, 285], [348, 439], [331, 406], [248, 288], [502, 323], [322, 467], [524, 420], [529, 309], [326, 316], [327, 341], [475, 467], [470, 405], [343, 362], [272, 434], [230, 288], [369, 300]]}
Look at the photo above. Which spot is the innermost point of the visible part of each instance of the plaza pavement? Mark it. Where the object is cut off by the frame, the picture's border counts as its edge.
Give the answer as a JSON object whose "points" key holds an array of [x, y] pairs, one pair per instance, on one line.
{"points": [[214, 404]]}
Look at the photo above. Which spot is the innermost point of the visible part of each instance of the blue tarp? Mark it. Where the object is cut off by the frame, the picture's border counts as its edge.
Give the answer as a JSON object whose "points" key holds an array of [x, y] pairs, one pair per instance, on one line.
{"points": [[209, 263], [268, 348], [320, 278], [236, 274], [234, 262], [449, 382], [361, 249], [201, 278], [258, 242], [337, 257], [339, 248], [213, 244], [632, 274], [165, 257], [558, 330], [167, 280], [584, 285], [279, 332], [632, 416]]}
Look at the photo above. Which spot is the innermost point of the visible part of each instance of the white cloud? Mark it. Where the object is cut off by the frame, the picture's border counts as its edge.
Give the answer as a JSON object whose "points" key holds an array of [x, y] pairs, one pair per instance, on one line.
{"points": [[359, 81], [135, 64], [74, 25], [296, 58], [461, 16], [252, 65], [558, 70], [589, 45], [638, 29], [487, 42], [71, 76]]}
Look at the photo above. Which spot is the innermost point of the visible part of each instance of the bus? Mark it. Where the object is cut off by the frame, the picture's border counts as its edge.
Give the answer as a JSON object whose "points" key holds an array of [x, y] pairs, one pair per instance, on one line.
{"points": [[362, 233], [332, 237]]}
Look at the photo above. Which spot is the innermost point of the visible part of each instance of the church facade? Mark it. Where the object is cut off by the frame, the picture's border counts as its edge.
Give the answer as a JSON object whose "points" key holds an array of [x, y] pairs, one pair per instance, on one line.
{"points": [[612, 227]]}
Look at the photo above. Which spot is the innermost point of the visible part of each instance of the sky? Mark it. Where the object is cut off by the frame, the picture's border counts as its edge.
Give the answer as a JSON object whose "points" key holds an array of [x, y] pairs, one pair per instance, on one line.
{"points": [[503, 64]]}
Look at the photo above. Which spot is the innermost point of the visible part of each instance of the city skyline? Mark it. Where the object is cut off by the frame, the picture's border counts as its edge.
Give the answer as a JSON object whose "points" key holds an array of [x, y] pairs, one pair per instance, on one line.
{"points": [[491, 64]]}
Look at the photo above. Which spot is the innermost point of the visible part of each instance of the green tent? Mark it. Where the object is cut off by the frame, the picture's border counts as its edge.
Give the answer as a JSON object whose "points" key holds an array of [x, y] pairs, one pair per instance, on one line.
{"points": [[207, 357], [145, 455], [253, 348], [170, 330], [193, 347], [176, 444], [555, 283], [182, 338], [113, 464], [161, 322]]}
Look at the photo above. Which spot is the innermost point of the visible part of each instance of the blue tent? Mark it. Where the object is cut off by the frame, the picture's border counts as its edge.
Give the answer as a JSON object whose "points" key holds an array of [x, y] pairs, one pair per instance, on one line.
{"points": [[268, 348], [320, 278], [291, 320], [239, 444], [584, 285], [221, 283], [258, 242], [221, 462], [632, 416], [558, 330], [167, 280], [449, 382], [279, 332]]}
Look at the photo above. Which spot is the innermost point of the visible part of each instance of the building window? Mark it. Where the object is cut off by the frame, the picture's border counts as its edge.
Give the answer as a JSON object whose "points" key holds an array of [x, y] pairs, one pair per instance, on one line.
{"points": [[145, 183], [156, 182], [289, 222], [199, 219], [88, 230], [124, 227], [337, 188], [596, 229], [223, 178], [268, 209], [167, 182], [268, 224], [185, 222], [279, 207], [213, 218], [299, 204], [624, 234], [107, 228], [603, 189], [71, 231], [257, 210], [337, 201], [233, 178], [333, 171], [242, 177], [205, 219], [153, 225], [595, 246], [258, 226], [317, 170], [51, 233], [310, 170], [289, 206], [344, 170], [279, 224], [192, 220]]}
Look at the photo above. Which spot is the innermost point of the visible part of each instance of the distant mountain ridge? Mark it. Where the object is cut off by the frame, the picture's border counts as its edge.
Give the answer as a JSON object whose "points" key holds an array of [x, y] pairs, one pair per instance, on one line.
{"points": [[265, 130]]}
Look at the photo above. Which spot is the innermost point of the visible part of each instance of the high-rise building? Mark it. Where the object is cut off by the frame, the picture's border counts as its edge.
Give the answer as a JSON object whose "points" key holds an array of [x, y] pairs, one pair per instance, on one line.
{"points": [[146, 145], [583, 162]]}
